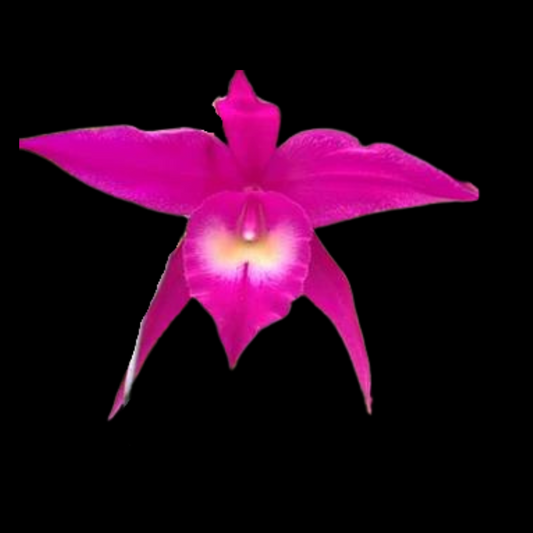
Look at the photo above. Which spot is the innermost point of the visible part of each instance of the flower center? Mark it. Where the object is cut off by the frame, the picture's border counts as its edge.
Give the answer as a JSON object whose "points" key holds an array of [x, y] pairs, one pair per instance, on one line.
{"points": [[259, 237], [249, 242]]}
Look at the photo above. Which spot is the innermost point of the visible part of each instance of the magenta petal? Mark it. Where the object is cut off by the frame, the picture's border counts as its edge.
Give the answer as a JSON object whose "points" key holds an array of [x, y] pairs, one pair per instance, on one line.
{"points": [[171, 297], [251, 126], [328, 288], [246, 258], [334, 178], [169, 171]]}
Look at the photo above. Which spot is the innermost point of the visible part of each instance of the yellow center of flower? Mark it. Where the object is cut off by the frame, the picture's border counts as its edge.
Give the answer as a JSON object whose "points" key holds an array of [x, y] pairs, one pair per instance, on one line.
{"points": [[267, 251], [230, 251]]}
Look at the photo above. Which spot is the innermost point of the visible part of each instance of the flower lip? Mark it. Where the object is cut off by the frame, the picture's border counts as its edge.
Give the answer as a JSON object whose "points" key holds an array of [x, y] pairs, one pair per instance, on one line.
{"points": [[246, 258]]}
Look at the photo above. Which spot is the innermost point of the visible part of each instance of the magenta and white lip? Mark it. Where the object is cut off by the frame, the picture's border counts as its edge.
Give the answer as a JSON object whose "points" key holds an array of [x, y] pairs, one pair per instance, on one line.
{"points": [[246, 258]]}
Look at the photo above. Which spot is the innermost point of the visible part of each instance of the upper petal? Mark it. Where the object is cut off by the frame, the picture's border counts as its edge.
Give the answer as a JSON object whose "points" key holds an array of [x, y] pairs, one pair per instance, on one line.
{"points": [[251, 126], [246, 257], [170, 171], [334, 178]]}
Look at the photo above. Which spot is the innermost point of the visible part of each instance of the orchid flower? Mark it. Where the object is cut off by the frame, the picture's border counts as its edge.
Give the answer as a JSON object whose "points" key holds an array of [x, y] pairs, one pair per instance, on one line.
{"points": [[250, 249]]}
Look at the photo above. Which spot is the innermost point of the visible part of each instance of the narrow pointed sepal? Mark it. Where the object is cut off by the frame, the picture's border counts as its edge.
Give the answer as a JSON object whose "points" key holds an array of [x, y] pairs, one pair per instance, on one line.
{"points": [[251, 126], [170, 299], [328, 288]]}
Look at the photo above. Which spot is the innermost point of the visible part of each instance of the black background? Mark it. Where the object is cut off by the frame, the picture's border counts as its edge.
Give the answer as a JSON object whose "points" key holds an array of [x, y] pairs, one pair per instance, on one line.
{"points": [[91, 263]]}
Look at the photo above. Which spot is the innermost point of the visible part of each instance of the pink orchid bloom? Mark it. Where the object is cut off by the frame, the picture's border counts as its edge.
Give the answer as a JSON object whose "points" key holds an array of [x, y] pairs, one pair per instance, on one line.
{"points": [[250, 249]]}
